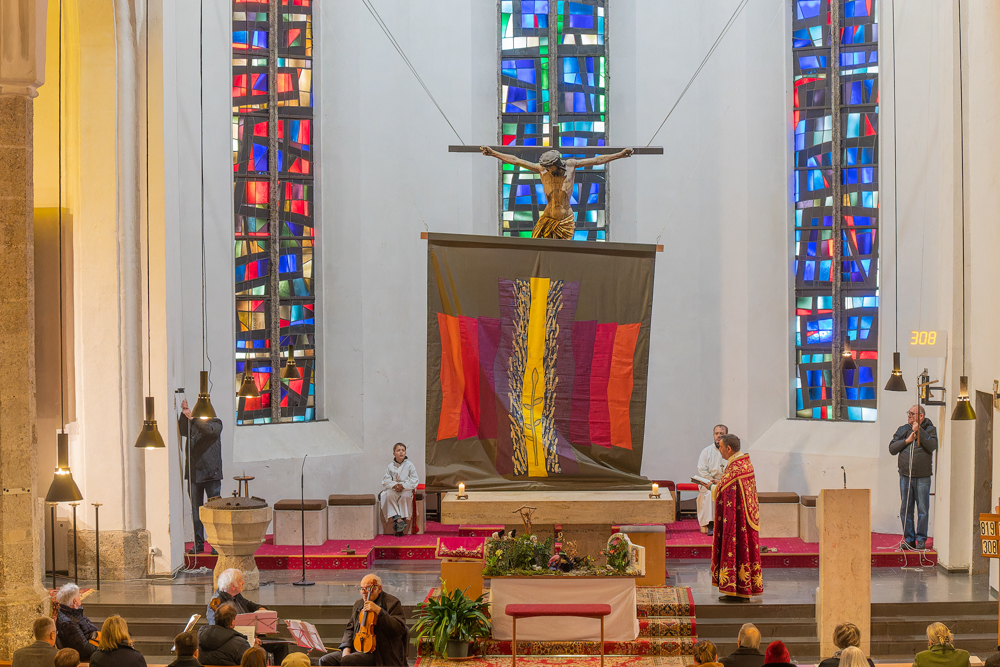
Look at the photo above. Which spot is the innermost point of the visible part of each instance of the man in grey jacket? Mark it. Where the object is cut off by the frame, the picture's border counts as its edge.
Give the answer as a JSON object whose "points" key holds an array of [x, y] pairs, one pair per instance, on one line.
{"points": [[202, 467], [914, 443], [42, 653]]}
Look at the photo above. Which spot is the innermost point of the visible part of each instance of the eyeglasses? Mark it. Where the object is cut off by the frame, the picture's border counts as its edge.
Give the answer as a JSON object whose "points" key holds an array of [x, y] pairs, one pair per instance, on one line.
{"points": [[365, 589], [911, 414]]}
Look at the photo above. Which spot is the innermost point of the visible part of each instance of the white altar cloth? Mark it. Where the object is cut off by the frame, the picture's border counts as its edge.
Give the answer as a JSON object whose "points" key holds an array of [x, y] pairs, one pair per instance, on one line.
{"points": [[621, 625]]}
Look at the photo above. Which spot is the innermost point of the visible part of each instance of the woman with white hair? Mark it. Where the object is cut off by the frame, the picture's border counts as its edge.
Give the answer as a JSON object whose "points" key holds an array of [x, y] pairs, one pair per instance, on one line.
{"points": [[942, 652], [74, 629]]}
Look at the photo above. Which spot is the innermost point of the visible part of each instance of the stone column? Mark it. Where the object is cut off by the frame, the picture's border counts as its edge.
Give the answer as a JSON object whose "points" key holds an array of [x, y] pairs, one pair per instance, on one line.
{"points": [[22, 597]]}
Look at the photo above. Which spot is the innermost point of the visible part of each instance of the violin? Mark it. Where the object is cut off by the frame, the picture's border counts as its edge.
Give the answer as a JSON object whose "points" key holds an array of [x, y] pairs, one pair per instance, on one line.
{"points": [[364, 638]]}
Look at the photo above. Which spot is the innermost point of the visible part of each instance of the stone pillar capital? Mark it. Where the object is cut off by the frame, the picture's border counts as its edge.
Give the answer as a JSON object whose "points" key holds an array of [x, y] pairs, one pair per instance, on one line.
{"points": [[22, 46]]}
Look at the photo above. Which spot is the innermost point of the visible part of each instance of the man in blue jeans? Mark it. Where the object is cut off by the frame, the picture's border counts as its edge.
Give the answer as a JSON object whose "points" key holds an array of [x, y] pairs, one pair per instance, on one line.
{"points": [[202, 466], [915, 443]]}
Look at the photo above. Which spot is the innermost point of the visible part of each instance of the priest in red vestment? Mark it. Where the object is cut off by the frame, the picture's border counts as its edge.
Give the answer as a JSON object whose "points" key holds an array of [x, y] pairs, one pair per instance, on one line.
{"points": [[736, 566]]}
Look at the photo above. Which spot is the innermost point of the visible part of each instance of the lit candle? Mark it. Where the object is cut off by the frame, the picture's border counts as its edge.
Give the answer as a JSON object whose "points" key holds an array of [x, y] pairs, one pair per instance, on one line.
{"points": [[461, 488], [656, 488]]}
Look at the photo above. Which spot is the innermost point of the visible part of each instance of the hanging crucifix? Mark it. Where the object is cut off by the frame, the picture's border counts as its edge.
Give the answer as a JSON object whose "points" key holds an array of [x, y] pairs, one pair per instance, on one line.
{"points": [[558, 176]]}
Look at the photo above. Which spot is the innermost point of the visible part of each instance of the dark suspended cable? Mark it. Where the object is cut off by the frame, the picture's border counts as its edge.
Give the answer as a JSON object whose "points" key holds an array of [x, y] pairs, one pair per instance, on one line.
{"points": [[895, 177], [961, 121], [392, 40], [704, 61], [62, 344], [149, 302], [201, 134]]}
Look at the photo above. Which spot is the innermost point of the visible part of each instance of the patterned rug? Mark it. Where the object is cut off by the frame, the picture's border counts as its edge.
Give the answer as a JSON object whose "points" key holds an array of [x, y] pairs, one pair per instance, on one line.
{"points": [[563, 661]]}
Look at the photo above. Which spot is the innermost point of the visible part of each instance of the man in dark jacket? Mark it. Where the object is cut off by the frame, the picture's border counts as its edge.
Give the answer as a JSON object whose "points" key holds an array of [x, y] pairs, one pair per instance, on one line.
{"points": [[915, 444], [186, 650], [747, 653], [220, 644], [391, 634], [202, 467], [75, 630], [42, 652]]}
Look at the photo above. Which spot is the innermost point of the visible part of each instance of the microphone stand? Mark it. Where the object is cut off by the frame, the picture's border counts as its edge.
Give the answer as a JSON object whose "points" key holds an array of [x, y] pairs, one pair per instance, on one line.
{"points": [[302, 510]]}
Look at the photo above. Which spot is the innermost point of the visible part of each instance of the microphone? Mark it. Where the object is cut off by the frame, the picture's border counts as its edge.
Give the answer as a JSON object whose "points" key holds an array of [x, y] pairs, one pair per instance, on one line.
{"points": [[845, 475]]}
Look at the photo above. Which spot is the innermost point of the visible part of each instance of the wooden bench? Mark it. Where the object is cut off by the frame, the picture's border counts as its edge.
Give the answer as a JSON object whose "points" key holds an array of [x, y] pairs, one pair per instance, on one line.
{"points": [[516, 611]]}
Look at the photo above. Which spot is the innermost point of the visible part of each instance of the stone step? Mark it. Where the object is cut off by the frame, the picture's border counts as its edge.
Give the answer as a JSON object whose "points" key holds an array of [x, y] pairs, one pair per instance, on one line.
{"points": [[725, 629], [660, 646]]}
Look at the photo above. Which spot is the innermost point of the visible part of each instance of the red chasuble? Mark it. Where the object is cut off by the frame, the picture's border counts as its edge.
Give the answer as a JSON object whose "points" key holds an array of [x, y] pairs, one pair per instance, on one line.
{"points": [[736, 549]]}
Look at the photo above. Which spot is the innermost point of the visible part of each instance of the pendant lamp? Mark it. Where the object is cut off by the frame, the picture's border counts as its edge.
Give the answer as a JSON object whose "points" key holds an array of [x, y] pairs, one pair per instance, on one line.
{"points": [[895, 382], [149, 436], [963, 406], [203, 408], [63, 489], [291, 369], [248, 388], [848, 358]]}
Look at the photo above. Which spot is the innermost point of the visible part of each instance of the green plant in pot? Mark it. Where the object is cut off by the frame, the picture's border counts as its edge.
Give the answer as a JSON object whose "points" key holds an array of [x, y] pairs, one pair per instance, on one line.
{"points": [[450, 621]]}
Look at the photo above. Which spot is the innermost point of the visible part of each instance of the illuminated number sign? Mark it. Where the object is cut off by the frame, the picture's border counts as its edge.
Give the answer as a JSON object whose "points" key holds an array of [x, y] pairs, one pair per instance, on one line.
{"points": [[928, 343], [988, 535]]}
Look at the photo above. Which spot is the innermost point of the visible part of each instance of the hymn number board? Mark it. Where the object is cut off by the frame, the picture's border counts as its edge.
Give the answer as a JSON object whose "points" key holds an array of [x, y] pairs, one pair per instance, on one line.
{"points": [[989, 535]]}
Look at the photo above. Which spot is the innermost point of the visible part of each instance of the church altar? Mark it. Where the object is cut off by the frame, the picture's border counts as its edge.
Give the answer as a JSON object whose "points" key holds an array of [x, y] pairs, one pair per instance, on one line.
{"points": [[618, 591], [586, 517]]}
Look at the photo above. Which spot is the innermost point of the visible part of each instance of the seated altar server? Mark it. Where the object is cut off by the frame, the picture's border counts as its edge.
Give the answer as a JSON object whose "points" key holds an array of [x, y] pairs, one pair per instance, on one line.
{"points": [[398, 483], [391, 634], [710, 466]]}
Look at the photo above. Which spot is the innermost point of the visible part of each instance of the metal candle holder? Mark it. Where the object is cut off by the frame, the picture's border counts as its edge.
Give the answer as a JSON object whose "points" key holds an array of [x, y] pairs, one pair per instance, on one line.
{"points": [[97, 542]]}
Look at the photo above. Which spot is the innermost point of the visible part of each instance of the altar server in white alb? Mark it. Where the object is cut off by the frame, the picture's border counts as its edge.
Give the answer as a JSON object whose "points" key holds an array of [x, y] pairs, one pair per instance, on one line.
{"points": [[710, 466], [398, 483]]}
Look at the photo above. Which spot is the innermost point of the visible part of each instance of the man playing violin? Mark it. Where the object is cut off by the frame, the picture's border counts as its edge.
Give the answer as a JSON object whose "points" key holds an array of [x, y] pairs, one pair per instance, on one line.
{"points": [[391, 633]]}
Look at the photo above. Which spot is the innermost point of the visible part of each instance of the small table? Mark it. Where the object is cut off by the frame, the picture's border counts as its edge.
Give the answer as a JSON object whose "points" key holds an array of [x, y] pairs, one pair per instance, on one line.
{"points": [[243, 485], [516, 611]]}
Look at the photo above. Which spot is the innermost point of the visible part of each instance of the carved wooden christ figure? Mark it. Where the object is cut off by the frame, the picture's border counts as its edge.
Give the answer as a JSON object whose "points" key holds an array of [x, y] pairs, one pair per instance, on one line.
{"points": [[558, 175]]}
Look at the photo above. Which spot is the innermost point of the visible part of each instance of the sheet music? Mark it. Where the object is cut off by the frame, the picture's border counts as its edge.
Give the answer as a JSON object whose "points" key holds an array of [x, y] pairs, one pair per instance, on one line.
{"points": [[305, 635], [701, 480], [263, 622], [247, 630], [190, 624]]}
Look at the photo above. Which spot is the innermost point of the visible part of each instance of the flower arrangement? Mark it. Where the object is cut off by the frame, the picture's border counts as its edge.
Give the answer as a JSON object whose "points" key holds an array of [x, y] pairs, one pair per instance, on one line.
{"points": [[526, 555]]}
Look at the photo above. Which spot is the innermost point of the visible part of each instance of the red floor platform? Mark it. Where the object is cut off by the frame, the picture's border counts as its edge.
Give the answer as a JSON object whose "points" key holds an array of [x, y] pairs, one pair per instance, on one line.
{"points": [[686, 541]]}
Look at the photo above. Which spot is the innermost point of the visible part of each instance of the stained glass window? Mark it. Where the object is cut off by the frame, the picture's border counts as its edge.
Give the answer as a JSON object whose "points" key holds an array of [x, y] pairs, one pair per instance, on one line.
{"points": [[273, 163], [533, 35], [822, 321]]}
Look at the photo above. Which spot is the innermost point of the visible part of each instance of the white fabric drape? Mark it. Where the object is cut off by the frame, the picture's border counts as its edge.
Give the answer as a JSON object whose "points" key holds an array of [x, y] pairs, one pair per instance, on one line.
{"points": [[710, 466]]}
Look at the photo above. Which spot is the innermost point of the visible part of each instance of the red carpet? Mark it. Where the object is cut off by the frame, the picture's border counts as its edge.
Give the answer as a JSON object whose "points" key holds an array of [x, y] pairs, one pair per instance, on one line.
{"points": [[686, 541]]}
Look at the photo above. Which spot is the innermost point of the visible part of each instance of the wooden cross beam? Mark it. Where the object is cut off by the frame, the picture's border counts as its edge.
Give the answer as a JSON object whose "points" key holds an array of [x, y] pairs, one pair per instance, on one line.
{"points": [[569, 150]]}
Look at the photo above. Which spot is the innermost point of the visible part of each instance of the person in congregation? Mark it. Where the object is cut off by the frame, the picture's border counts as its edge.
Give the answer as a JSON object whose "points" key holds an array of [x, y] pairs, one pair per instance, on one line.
{"points": [[941, 651], [845, 635], [914, 443], [747, 653], [66, 657], [710, 467], [852, 656], [255, 657], [202, 466], [186, 650], [43, 651], [74, 629], [296, 659], [777, 655], [705, 654], [230, 591], [391, 634], [115, 648], [398, 483], [219, 643], [736, 566]]}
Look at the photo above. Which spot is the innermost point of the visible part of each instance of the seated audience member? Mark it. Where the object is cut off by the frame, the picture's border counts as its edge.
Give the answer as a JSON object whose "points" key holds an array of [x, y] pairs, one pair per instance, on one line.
{"points": [[255, 657], [398, 483], [777, 654], [43, 651], [186, 649], [747, 653], [941, 653], [67, 657], [115, 648], [852, 656], [994, 660], [75, 630], [296, 659], [705, 654], [845, 636], [230, 591], [220, 644], [391, 634]]}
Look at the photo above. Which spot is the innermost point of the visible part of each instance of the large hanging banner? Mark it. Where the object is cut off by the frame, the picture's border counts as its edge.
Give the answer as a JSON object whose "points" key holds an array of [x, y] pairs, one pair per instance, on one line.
{"points": [[537, 355]]}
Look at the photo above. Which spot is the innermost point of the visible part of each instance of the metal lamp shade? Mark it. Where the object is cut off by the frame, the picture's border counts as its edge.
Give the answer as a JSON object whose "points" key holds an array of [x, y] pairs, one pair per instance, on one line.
{"points": [[63, 489], [203, 407], [895, 382], [848, 359], [291, 369], [963, 406], [248, 388], [149, 436]]}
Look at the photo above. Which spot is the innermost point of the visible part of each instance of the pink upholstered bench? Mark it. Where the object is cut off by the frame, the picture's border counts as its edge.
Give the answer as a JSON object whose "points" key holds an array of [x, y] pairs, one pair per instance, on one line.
{"points": [[516, 611]]}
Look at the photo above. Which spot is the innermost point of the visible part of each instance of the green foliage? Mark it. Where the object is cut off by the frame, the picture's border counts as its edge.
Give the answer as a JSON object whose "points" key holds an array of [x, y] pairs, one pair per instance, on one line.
{"points": [[451, 617], [618, 555], [523, 554]]}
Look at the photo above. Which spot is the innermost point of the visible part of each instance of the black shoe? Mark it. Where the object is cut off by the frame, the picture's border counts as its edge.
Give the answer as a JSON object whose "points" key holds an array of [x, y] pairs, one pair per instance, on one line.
{"points": [[921, 545], [908, 546], [214, 552], [196, 549], [710, 532], [732, 598]]}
